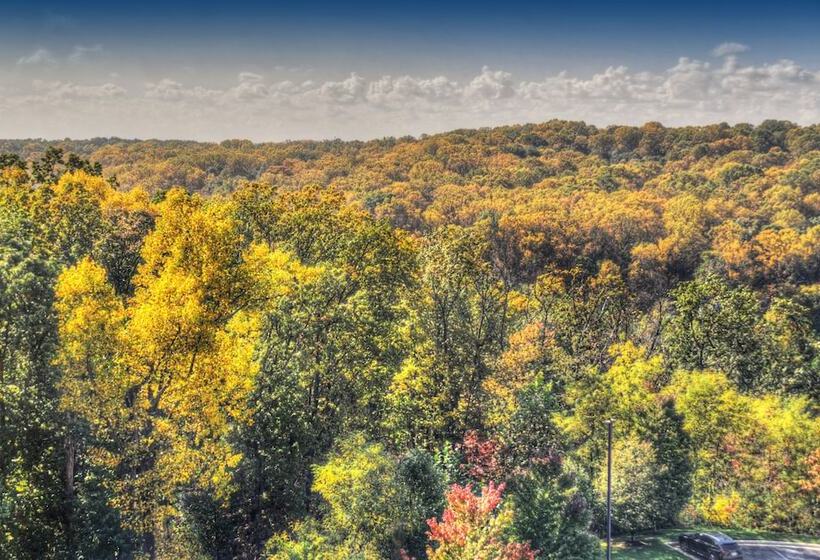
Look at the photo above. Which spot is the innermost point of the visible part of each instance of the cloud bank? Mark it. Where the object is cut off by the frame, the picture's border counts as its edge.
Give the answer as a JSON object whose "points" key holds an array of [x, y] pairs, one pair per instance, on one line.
{"points": [[729, 48], [689, 92]]}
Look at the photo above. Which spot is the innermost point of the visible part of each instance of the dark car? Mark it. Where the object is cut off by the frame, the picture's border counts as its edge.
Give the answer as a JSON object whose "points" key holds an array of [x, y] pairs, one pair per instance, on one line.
{"points": [[714, 546]]}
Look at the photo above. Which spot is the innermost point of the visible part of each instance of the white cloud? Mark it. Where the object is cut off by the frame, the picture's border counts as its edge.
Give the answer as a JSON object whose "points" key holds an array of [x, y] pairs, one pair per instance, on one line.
{"points": [[250, 77], [80, 52], [491, 84], [729, 48], [689, 80], [690, 91], [350, 90], [171, 90], [396, 92], [43, 56], [40, 56], [67, 90]]}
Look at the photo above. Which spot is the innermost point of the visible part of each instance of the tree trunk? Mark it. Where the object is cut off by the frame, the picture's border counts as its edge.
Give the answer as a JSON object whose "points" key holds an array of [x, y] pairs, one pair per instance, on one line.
{"points": [[149, 545], [69, 467]]}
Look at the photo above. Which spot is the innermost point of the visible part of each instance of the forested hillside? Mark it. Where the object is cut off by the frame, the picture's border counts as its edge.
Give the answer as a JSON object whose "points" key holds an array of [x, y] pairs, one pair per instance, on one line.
{"points": [[407, 348]]}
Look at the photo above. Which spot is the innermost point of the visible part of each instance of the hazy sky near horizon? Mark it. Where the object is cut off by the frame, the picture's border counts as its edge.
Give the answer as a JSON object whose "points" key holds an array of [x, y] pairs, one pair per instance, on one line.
{"points": [[211, 70]]}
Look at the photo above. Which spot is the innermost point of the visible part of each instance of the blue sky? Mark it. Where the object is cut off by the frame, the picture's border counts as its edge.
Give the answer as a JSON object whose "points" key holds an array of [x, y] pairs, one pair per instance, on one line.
{"points": [[275, 70]]}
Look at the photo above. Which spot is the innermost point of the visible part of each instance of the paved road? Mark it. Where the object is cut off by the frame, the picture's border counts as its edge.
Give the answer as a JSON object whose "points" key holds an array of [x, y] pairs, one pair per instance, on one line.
{"points": [[778, 551], [770, 550]]}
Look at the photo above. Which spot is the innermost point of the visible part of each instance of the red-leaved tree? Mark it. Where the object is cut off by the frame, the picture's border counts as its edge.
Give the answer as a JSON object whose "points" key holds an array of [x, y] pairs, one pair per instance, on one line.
{"points": [[482, 457], [475, 527]]}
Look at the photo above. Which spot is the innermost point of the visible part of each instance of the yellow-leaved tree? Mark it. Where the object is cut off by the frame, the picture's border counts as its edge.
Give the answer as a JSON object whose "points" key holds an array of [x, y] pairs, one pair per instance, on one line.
{"points": [[161, 377]]}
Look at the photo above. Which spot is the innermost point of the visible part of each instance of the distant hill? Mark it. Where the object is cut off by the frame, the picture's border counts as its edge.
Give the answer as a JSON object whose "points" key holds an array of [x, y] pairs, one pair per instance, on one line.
{"points": [[508, 157]]}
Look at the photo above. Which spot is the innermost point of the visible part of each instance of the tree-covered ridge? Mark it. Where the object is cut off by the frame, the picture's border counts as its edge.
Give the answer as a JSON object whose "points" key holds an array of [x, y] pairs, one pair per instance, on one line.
{"points": [[510, 156], [407, 348]]}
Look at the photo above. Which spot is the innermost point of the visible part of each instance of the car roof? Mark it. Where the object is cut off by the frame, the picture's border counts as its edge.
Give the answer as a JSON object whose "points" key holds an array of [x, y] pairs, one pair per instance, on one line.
{"points": [[720, 538]]}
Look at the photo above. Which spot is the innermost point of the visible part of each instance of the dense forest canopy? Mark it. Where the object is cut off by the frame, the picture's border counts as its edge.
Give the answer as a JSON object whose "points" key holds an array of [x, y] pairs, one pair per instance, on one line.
{"points": [[407, 348]]}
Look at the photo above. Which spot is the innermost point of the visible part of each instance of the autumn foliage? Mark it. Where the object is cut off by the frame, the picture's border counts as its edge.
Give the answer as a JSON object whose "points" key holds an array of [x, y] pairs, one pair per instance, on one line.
{"points": [[475, 527], [294, 350]]}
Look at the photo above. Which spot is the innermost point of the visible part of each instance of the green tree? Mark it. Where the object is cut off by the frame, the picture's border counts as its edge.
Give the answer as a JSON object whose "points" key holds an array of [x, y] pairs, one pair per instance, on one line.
{"points": [[552, 513], [790, 348], [360, 485], [327, 350], [35, 508], [374, 505], [635, 491], [713, 327], [458, 324]]}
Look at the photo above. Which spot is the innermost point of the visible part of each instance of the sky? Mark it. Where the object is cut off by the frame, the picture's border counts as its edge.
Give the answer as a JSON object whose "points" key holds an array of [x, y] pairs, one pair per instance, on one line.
{"points": [[271, 71]]}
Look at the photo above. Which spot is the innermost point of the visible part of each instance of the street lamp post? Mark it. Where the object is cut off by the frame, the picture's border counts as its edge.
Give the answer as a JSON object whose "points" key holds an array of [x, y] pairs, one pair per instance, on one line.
{"points": [[609, 490]]}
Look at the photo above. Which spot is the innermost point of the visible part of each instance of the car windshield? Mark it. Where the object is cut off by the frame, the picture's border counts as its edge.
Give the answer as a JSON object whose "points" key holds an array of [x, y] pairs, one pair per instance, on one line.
{"points": [[722, 539]]}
